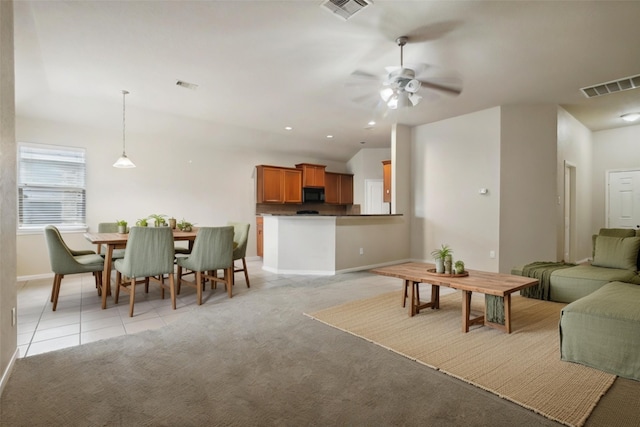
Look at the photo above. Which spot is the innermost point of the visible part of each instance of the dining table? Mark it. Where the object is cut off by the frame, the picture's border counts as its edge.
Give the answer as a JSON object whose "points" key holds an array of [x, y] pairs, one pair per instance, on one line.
{"points": [[118, 241]]}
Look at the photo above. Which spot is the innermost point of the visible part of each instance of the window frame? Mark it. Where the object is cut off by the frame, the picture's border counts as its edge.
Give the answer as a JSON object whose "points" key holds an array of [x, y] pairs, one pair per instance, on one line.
{"points": [[79, 187]]}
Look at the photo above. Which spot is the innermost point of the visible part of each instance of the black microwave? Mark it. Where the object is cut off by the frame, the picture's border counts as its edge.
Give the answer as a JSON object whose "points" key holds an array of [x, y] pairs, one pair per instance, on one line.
{"points": [[313, 195]]}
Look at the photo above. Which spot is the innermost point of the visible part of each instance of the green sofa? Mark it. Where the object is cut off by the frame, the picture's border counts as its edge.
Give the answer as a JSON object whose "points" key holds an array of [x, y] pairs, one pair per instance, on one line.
{"points": [[600, 327], [615, 259]]}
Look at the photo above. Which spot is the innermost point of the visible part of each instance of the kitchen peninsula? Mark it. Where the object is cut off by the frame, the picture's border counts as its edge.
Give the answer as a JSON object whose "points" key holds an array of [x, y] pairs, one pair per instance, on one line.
{"points": [[330, 244]]}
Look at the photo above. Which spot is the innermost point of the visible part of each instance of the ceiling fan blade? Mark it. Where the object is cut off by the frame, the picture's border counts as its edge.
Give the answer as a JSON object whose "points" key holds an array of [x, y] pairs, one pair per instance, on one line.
{"points": [[441, 88]]}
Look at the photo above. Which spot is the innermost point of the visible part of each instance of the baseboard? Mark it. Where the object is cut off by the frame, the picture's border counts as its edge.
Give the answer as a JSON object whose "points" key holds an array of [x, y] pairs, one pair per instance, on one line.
{"points": [[7, 372], [35, 277], [332, 273]]}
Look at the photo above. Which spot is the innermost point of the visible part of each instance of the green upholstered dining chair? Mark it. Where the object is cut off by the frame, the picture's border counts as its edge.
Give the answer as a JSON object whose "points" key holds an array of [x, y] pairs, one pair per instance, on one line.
{"points": [[110, 227], [65, 260], [149, 253], [240, 238], [212, 251]]}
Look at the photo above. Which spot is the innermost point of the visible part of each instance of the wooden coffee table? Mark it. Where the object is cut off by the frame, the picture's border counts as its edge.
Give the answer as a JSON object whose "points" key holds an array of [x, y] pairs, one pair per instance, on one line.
{"points": [[497, 284]]}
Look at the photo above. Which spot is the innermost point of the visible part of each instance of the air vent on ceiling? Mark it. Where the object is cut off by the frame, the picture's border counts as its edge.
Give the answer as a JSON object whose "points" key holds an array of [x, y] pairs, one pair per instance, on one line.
{"points": [[187, 85], [627, 83], [345, 9]]}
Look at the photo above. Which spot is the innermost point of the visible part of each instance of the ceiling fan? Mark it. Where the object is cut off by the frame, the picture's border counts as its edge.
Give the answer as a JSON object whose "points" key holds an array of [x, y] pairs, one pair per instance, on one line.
{"points": [[402, 85]]}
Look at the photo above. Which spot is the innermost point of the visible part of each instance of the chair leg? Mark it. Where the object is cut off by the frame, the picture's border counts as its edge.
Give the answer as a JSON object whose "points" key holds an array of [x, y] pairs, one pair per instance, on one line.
{"points": [[132, 295], [172, 288], [98, 277], [179, 279], [118, 284], [56, 290], [246, 274], [199, 285], [229, 279]]}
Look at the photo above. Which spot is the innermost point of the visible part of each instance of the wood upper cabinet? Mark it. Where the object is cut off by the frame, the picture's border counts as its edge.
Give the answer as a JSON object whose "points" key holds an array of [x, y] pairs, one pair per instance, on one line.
{"points": [[312, 175], [278, 185], [386, 181], [338, 188]]}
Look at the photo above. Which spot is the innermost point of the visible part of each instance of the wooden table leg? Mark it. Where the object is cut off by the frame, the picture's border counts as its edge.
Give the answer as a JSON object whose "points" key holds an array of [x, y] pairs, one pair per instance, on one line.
{"points": [[435, 297], [412, 304], [466, 310], [404, 293], [507, 312], [106, 275]]}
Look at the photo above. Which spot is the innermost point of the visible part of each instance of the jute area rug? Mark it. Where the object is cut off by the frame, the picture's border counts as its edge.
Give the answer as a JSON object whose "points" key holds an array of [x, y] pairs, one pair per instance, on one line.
{"points": [[523, 367]]}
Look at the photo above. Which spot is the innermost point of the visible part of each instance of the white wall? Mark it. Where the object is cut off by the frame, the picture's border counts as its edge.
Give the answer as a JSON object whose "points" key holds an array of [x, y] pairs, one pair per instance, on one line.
{"points": [[451, 160], [192, 178], [575, 145], [613, 149], [528, 185], [366, 164], [8, 291]]}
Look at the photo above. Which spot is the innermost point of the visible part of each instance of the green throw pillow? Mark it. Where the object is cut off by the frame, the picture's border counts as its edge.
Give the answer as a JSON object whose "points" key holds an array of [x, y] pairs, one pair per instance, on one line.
{"points": [[616, 252]]}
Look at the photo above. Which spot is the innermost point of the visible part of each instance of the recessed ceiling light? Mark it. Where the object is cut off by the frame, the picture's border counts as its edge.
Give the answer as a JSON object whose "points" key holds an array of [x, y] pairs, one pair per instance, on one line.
{"points": [[371, 123], [630, 117], [329, 136], [288, 128]]}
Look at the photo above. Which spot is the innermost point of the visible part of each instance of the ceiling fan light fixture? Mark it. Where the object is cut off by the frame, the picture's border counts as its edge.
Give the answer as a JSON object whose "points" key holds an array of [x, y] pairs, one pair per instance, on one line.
{"points": [[630, 117], [412, 86], [386, 93], [415, 99]]}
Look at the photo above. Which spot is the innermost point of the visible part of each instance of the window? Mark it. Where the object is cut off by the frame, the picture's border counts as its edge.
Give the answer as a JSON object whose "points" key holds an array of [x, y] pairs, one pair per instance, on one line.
{"points": [[51, 187]]}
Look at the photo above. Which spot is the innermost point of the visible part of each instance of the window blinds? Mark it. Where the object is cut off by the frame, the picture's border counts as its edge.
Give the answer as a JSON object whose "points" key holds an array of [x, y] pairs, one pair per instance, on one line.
{"points": [[51, 187]]}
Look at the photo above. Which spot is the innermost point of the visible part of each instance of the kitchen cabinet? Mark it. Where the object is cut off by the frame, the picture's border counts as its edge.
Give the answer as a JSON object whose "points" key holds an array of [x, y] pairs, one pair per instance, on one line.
{"points": [[312, 175], [259, 235], [386, 181], [278, 185], [338, 188]]}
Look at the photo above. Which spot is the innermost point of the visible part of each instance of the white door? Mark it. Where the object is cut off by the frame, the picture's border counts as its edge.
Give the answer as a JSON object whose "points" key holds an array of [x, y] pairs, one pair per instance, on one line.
{"points": [[623, 206], [373, 196]]}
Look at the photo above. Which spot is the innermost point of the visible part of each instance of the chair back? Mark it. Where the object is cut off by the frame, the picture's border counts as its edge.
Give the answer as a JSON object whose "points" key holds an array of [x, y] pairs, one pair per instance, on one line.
{"points": [[108, 227], [212, 249], [149, 252], [60, 256], [240, 238]]}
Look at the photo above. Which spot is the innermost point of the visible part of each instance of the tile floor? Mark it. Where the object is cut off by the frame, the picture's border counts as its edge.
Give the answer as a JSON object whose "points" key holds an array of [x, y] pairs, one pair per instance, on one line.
{"points": [[79, 318]]}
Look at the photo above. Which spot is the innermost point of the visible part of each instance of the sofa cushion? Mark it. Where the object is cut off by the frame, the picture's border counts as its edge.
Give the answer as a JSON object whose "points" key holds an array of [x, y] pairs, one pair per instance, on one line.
{"points": [[570, 284], [617, 252], [613, 232]]}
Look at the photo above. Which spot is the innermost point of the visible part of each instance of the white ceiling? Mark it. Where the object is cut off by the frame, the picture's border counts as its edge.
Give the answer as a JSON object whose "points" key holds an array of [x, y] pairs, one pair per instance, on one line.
{"points": [[264, 65]]}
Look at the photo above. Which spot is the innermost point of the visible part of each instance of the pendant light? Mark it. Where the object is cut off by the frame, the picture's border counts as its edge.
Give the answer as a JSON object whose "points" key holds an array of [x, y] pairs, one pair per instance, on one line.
{"points": [[123, 161]]}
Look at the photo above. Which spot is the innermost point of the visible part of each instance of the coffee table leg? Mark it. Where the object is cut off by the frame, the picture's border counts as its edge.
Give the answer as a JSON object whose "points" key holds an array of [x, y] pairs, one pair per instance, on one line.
{"points": [[412, 304], [435, 297], [404, 293], [507, 312], [466, 310]]}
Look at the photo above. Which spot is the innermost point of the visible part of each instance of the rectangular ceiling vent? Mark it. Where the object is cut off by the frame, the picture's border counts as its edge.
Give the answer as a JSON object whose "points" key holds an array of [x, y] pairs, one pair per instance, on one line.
{"points": [[345, 9], [627, 83]]}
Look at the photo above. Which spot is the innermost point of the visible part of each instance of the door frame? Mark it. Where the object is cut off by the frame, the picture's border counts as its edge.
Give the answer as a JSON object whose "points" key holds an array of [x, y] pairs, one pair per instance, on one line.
{"points": [[569, 234]]}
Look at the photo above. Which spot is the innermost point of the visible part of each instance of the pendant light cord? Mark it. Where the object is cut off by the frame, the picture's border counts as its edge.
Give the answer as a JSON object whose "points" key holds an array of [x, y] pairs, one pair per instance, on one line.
{"points": [[124, 93]]}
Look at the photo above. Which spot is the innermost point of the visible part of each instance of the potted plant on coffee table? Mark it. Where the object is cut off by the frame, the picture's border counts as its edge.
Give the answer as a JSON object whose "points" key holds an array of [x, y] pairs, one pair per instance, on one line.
{"points": [[142, 222], [440, 256], [459, 267]]}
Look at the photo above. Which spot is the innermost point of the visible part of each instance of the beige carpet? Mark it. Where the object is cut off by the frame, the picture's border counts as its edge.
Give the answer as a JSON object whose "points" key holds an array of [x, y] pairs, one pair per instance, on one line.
{"points": [[523, 366]]}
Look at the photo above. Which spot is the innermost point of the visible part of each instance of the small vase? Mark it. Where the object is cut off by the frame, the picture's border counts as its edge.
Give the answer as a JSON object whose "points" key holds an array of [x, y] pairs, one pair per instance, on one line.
{"points": [[439, 265], [447, 264], [172, 223], [122, 229]]}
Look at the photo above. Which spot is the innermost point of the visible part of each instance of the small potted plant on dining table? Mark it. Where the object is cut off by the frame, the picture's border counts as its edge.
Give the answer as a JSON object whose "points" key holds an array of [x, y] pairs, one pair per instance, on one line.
{"points": [[158, 219], [122, 226], [184, 225]]}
